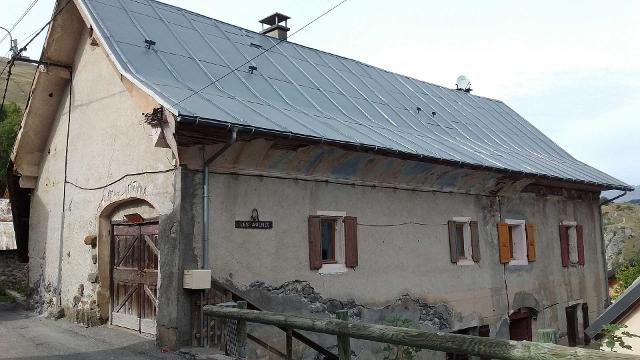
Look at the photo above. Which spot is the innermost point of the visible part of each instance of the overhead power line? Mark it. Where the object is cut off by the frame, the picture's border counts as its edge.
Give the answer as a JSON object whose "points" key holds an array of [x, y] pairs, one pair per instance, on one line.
{"points": [[33, 3], [23, 48], [262, 53]]}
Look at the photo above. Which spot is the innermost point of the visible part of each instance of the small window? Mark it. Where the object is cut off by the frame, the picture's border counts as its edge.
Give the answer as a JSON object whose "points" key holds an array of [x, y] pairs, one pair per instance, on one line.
{"points": [[328, 243], [571, 244], [333, 242], [460, 245], [464, 246], [512, 228], [517, 244]]}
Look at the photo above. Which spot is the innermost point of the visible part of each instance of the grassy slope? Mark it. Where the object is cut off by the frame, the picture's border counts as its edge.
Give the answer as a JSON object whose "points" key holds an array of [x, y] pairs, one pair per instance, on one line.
{"points": [[19, 84]]}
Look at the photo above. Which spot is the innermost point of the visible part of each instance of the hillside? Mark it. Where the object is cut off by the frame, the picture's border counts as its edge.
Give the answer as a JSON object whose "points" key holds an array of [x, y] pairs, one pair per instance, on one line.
{"points": [[20, 82], [621, 232]]}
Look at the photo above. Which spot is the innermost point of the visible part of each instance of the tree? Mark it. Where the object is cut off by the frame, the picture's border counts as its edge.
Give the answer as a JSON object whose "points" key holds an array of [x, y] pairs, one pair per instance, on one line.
{"points": [[627, 274], [10, 119]]}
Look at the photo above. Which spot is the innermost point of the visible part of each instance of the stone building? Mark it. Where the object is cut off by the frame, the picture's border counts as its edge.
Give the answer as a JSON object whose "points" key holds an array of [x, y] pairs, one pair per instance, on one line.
{"points": [[328, 184]]}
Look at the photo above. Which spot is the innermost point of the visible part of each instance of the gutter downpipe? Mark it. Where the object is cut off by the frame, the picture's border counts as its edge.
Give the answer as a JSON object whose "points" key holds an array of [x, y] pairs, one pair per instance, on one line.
{"points": [[607, 301], [205, 196]]}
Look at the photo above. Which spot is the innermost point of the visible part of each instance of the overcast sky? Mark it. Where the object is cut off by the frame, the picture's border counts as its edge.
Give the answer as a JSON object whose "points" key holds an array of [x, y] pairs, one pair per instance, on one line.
{"points": [[572, 68]]}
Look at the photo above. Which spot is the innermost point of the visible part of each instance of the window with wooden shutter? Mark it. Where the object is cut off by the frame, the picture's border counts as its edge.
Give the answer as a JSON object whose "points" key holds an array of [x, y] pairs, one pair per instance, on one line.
{"points": [[564, 244], [580, 244], [503, 242], [315, 247], [475, 241], [350, 241], [531, 243], [464, 246], [453, 248]]}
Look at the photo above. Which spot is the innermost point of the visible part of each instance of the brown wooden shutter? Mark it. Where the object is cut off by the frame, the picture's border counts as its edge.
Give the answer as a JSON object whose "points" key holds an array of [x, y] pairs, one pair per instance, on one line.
{"points": [[475, 241], [503, 243], [315, 248], [453, 251], [580, 244], [531, 243], [564, 244], [350, 241]]}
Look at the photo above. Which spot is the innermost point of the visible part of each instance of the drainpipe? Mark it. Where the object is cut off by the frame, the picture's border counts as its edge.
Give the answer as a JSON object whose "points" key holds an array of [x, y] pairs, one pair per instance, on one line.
{"points": [[607, 300], [205, 196]]}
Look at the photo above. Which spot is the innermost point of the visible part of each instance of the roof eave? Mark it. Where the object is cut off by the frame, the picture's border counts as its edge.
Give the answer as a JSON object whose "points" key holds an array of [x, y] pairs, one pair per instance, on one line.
{"points": [[198, 120]]}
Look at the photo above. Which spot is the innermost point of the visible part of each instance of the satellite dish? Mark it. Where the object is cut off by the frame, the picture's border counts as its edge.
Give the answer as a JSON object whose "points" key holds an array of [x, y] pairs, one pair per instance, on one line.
{"points": [[463, 84]]}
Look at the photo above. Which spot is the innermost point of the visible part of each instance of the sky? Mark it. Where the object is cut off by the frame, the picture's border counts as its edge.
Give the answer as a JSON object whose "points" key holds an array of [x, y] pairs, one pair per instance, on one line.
{"points": [[571, 68]]}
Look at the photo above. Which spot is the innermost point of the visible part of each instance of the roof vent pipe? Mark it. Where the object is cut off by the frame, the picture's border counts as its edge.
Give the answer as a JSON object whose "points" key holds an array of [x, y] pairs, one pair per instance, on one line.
{"points": [[276, 26]]}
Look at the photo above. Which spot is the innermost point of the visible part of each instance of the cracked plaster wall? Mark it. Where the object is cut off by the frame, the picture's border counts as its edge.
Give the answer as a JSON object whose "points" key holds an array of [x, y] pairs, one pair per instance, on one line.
{"points": [[395, 262], [108, 139]]}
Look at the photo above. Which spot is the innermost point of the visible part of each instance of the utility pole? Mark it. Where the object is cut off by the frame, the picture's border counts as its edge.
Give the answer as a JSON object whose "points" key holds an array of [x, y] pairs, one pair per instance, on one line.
{"points": [[14, 50]]}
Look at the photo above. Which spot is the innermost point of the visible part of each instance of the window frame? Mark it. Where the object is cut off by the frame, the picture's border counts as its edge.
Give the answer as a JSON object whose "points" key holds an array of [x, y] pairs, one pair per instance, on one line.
{"points": [[468, 258], [518, 242], [341, 264], [571, 228]]}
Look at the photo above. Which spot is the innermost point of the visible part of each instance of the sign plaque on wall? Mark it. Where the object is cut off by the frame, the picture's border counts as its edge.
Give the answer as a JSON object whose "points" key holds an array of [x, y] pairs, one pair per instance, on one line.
{"points": [[254, 222]]}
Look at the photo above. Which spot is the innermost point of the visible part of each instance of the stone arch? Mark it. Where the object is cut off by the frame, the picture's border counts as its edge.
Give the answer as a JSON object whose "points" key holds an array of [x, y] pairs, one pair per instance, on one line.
{"points": [[114, 211], [526, 300]]}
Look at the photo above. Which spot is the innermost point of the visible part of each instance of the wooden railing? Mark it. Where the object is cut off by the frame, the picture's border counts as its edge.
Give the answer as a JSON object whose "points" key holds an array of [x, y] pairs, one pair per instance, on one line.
{"points": [[446, 342], [211, 332]]}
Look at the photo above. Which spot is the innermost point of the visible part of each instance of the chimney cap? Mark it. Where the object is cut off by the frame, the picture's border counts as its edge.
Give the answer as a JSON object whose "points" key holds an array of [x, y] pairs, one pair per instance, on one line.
{"points": [[275, 19]]}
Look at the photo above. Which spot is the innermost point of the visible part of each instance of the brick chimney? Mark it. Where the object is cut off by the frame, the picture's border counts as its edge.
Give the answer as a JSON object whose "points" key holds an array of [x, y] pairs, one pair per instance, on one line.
{"points": [[276, 26]]}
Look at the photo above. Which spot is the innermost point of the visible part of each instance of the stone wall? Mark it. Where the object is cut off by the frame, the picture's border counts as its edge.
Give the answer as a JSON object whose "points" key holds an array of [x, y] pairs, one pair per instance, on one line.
{"points": [[7, 236], [13, 273]]}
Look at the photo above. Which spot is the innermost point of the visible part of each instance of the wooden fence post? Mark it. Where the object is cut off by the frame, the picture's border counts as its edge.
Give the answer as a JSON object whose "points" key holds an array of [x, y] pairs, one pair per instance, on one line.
{"points": [[344, 346], [241, 333]]}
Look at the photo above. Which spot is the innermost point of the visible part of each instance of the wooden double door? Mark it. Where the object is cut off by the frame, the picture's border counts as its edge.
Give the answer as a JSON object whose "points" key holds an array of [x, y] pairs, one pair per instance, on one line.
{"points": [[134, 276]]}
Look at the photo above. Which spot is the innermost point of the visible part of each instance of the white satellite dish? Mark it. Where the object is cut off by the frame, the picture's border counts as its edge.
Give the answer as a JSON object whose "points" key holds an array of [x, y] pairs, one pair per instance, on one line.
{"points": [[463, 84]]}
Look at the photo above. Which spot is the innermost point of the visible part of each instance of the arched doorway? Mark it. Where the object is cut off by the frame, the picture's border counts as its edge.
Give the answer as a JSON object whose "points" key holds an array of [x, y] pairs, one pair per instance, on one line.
{"points": [[128, 261], [520, 324]]}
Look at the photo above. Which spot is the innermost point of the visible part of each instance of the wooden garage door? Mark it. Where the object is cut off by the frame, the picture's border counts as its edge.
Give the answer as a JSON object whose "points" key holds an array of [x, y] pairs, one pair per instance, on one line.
{"points": [[134, 282]]}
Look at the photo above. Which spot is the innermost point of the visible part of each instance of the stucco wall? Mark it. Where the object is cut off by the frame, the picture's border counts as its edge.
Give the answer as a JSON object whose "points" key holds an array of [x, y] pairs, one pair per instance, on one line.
{"points": [[108, 140], [272, 266]]}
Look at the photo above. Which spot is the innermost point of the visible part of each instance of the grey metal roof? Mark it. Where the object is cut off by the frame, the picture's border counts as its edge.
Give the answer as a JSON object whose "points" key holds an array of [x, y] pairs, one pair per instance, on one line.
{"points": [[625, 301], [307, 92]]}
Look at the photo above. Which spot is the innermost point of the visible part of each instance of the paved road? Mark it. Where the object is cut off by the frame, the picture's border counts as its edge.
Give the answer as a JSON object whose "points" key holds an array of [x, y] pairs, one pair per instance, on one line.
{"points": [[24, 335]]}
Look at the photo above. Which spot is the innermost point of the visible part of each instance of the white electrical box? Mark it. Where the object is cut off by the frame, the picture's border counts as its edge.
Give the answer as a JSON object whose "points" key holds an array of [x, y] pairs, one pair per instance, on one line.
{"points": [[196, 279]]}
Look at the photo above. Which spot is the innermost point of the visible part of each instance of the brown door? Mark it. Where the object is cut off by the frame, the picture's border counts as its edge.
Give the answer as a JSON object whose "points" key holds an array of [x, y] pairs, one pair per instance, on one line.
{"points": [[135, 276], [585, 323], [572, 325], [520, 326]]}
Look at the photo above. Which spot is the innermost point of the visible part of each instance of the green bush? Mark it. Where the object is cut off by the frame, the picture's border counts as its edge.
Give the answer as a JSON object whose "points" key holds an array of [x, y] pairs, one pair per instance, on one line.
{"points": [[10, 119], [612, 336], [627, 273], [399, 352]]}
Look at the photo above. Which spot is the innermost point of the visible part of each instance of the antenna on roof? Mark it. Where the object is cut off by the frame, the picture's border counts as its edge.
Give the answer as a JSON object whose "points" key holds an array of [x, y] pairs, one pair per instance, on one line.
{"points": [[463, 84]]}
